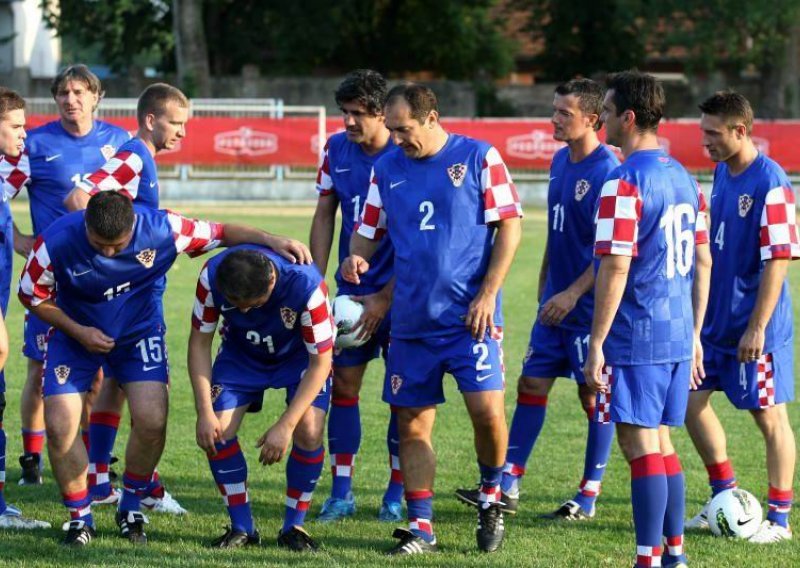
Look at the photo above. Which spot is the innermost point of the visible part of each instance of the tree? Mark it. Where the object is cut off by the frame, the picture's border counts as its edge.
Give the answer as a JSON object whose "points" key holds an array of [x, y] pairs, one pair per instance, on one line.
{"points": [[191, 51]]}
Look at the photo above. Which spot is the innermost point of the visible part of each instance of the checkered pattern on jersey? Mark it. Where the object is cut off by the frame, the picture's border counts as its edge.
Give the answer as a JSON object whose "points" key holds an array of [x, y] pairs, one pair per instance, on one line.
{"points": [[15, 173], [318, 328], [193, 236], [778, 234], [121, 173], [372, 223], [324, 179], [618, 216], [500, 199], [205, 314], [37, 283]]}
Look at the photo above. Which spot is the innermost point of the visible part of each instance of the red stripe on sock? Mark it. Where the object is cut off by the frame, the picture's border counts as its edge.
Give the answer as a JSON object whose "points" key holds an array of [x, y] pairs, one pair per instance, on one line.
{"points": [[720, 471], [417, 495], [396, 476], [105, 418], [77, 496], [672, 465], [226, 452], [531, 400], [345, 401], [136, 477], [647, 465], [306, 459], [776, 494]]}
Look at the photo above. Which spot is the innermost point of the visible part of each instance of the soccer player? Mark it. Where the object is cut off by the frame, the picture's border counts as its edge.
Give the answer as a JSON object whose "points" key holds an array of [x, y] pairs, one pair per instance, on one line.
{"points": [[277, 333], [342, 182], [748, 333], [650, 296], [452, 212], [12, 143], [104, 263], [57, 156], [560, 334]]}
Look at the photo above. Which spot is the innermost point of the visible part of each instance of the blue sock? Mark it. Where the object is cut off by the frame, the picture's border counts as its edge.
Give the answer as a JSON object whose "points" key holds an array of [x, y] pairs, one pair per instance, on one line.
{"points": [[302, 473], [676, 508], [134, 487], [103, 428], [344, 438], [780, 505], [79, 505], [394, 491], [649, 500], [420, 514], [229, 469], [598, 448], [525, 429], [2, 468], [489, 491]]}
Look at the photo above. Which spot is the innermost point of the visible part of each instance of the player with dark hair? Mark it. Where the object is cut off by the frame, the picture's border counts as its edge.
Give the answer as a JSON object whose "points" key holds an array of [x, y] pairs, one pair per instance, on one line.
{"points": [[342, 182], [748, 333], [452, 212], [278, 333], [560, 334], [650, 297]]}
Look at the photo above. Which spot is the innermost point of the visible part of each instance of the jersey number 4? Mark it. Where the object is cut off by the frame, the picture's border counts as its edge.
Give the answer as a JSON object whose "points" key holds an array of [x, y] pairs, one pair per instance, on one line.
{"points": [[678, 223]]}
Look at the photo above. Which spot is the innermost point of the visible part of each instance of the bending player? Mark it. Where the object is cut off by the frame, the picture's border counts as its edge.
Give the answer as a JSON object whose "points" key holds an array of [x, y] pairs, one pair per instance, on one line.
{"points": [[278, 333], [343, 181], [560, 335], [650, 298], [748, 337]]}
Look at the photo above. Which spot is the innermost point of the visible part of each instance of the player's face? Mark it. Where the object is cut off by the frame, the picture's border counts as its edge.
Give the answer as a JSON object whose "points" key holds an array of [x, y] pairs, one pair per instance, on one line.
{"points": [[719, 139], [415, 139], [360, 126], [76, 102], [109, 247], [569, 121], [612, 122], [170, 126], [12, 133]]}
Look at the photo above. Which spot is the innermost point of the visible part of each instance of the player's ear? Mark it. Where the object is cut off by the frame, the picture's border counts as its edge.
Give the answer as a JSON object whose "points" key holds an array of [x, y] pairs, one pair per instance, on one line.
{"points": [[150, 121], [432, 119]]}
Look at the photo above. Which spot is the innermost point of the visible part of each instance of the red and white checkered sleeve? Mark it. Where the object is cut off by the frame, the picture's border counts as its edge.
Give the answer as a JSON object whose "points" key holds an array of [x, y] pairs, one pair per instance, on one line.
{"points": [[324, 179], [500, 199], [121, 173], [618, 216], [15, 173], [778, 225], [205, 314], [372, 223], [319, 331], [37, 283], [701, 226], [193, 236]]}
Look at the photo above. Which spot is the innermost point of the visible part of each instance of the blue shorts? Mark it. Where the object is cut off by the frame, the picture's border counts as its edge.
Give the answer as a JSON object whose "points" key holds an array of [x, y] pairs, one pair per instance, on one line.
{"points": [[372, 349], [70, 368], [751, 386], [647, 395], [34, 335], [556, 352], [416, 367]]}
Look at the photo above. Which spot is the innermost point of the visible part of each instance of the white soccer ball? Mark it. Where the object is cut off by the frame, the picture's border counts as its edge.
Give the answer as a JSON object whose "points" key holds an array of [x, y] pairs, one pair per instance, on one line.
{"points": [[734, 513], [346, 314]]}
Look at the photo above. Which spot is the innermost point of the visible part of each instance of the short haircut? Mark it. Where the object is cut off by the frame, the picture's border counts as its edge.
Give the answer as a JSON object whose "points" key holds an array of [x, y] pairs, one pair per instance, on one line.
{"points": [[244, 275], [589, 94], [419, 98], [10, 100], [154, 100], [731, 106], [109, 215], [640, 93], [79, 73], [365, 87]]}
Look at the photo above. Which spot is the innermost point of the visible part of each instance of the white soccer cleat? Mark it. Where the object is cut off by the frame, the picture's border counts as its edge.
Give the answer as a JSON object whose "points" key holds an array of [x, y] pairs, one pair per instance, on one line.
{"points": [[111, 499], [12, 518], [770, 532], [700, 520], [167, 504]]}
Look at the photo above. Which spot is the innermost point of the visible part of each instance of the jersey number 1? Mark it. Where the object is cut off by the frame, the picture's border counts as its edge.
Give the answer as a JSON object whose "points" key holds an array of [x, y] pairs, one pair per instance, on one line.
{"points": [[680, 240]]}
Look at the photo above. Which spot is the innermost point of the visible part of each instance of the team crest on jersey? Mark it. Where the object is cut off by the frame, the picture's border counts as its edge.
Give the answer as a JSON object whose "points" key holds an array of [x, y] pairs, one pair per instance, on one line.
{"points": [[396, 381], [108, 151], [581, 189], [62, 374], [457, 173], [745, 203], [289, 317], [147, 257], [216, 390]]}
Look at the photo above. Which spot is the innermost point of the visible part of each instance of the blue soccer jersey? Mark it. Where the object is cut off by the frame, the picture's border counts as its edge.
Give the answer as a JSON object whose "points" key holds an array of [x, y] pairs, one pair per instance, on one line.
{"points": [[132, 171], [651, 209], [117, 295], [571, 201], [752, 221], [345, 173], [439, 212]]}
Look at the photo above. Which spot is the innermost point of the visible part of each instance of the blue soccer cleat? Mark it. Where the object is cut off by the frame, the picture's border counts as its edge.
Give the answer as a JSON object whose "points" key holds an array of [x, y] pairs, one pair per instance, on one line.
{"points": [[335, 509], [391, 512]]}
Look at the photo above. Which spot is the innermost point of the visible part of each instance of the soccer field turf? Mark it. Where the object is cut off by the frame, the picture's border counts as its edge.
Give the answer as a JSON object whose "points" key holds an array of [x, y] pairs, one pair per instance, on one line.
{"points": [[554, 469]]}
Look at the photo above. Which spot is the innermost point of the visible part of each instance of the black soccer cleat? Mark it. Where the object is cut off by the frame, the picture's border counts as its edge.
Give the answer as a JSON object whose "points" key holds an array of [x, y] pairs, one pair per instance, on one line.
{"points": [[31, 469], [470, 497], [569, 511], [79, 534], [236, 539], [491, 528], [112, 475], [410, 544], [298, 540], [131, 526]]}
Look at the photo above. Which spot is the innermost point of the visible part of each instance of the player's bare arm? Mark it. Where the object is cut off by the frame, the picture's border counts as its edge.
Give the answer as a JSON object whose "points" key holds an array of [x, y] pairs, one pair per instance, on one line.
{"points": [[290, 249], [375, 308], [560, 305], [361, 250], [700, 287], [77, 199], [480, 316], [3, 342], [22, 243], [208, 431], [275, 441], [322, 228], [612, 276], [94, 340], [751, 345]]}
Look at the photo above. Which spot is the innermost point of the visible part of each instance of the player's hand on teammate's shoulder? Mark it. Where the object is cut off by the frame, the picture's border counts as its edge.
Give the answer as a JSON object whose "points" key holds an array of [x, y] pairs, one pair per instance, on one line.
{"points": [[353, 267], [94, 340], [557, 307], [23, 244], [274, 443], [480, 317], [291, 249], [375, 308], [751, 344], [208, 432], [593, 370]]}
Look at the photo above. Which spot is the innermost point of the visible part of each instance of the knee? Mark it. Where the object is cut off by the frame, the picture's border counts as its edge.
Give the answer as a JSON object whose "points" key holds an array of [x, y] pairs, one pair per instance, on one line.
{"points": [[533, 387], [773, 422], [488, 417], [309, 432], [410, 426], [151, 429]]}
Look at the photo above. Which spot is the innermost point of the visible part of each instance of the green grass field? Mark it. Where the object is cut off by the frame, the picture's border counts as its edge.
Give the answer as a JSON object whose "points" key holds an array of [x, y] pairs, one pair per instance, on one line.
{"points": [[554, 469]]}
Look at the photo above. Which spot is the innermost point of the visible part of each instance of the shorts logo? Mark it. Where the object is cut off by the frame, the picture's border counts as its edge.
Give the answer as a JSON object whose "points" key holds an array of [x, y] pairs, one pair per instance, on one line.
{"points": [[41, 341], [147, 257], [62, 374], [396, 382], [581, 189], [108, 151], [528, 355], [457, 173], [216, 390], [745, 203], [289, 317]]}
